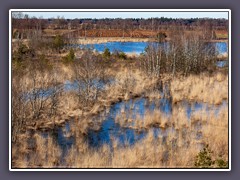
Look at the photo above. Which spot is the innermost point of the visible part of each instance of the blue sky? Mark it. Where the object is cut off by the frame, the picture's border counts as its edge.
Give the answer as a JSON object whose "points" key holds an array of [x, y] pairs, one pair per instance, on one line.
{"points": [[72, 15]]}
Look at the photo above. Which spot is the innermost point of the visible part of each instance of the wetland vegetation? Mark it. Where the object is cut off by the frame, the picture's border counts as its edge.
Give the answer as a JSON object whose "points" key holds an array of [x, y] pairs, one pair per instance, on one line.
{"points": [[158, 100]]}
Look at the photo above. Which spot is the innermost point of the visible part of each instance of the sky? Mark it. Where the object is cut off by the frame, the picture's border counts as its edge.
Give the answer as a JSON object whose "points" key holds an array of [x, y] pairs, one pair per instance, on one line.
{"points": [[99, 15]]}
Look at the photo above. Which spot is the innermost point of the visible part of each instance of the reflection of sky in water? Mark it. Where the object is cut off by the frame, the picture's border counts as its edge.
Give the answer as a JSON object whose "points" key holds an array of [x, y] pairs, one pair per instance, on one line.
{"points": [[131, 108], [68, 85], [222, 63], [139, 47], [62, 136], [111, 130], [41, 93], [97, 83], [127, 47], [196, 106], [221, 47]]}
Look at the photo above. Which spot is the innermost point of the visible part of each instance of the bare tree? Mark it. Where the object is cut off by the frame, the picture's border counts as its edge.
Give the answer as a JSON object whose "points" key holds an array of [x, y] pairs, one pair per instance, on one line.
{"points": [[88, 75], [35, 95], [154, 60], [183, 54], [44, 90]]}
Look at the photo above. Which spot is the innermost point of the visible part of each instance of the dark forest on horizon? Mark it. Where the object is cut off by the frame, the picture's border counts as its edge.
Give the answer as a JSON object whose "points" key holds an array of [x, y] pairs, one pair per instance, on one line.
{"points": [[21, 20]]}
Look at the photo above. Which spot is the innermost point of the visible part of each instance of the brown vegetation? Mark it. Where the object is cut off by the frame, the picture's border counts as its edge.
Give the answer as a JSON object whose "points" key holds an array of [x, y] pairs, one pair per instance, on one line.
{"points": [[183, 70], [211, 89], [179, 149]]}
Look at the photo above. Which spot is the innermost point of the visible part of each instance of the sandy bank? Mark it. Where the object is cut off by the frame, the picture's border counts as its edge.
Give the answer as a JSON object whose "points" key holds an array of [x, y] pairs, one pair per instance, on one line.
{"points": [[111, 39]]}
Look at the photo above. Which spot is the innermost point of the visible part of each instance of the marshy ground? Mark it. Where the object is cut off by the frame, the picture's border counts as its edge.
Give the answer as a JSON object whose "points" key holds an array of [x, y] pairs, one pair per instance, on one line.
{"points": [[163, 108], [137, 121]]}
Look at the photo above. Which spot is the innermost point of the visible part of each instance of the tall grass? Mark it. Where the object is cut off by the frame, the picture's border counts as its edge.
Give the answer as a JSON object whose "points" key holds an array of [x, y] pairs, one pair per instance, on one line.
{"points": [[178, 148], [36, 152], [203, 88]]}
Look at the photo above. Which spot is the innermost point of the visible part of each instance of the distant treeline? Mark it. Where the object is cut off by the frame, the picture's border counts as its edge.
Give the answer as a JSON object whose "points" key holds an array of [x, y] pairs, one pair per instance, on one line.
{"points": [[23, 21]]}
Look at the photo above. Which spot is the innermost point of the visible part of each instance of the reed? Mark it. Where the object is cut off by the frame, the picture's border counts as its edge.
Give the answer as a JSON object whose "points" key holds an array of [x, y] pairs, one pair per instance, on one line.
{"points": [[202, 88]]}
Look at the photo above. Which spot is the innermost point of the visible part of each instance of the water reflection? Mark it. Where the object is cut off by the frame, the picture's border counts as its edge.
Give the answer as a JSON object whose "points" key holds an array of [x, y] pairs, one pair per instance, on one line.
{"points": [[139, 47], [111, 130]]}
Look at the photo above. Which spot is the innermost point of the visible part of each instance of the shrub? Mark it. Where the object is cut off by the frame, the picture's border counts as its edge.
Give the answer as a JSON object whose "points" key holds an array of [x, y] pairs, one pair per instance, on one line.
{"points": [[44, 62], [204, 159], [22, 53], [119, 54], [221, 163], [58, 43], [161, 36], [122, 55], [69, 58], [106, 53]]}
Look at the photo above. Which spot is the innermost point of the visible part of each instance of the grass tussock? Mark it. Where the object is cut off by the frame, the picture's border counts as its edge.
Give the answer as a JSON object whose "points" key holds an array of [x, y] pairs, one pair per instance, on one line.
{"points": [[152, 119]]}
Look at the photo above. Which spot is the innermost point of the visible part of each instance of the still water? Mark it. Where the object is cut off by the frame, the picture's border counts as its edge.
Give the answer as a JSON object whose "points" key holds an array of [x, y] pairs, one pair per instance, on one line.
{"points": [[139, 47]]}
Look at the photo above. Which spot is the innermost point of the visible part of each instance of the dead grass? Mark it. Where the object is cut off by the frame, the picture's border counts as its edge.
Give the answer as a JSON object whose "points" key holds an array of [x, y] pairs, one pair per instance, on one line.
{"points": [[222, 34], [152, 119], [178, 149], [179, 118], [149, 152], [20, 151], [129, 83], [202, 88], [176, 146], [54, 32], [215, 134], [36, 152], [111, 39], [153, 95]]}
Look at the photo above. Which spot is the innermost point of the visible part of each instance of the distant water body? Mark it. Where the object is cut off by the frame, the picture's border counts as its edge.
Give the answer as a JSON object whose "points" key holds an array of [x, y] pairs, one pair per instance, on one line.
{"points": [[139, 47]]}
